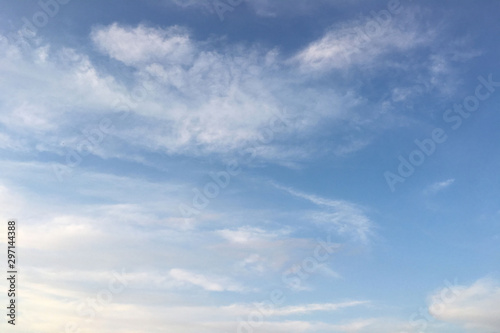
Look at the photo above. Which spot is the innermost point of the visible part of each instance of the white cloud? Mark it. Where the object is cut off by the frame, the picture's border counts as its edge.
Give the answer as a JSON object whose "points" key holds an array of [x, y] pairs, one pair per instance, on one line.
{"points": [[48, 95], [197, 99], [473, 307], [142, 45], [219, 100], [439, 186]]}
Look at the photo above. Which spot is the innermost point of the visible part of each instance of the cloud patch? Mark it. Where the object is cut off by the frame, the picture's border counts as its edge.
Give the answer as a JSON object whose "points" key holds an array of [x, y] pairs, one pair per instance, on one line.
{"points": [[363, 41], [474, 307], [439, 186]]}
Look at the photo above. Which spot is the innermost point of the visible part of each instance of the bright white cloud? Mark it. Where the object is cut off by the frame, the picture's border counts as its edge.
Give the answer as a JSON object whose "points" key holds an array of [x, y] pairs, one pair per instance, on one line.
{"points": [[474, 307]]}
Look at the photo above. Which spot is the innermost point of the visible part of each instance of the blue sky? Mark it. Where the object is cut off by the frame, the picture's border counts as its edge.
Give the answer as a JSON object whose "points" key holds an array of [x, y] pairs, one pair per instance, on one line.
{"points": [[252, 166]]}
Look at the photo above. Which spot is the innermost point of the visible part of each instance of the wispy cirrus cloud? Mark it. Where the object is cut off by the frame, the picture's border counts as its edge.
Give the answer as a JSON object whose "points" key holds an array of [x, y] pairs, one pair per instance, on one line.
{"points": [[209, 283], [249, 234], [345, 218]]}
